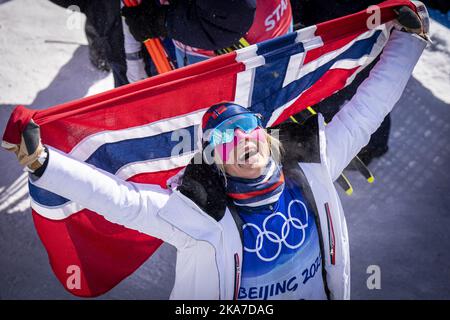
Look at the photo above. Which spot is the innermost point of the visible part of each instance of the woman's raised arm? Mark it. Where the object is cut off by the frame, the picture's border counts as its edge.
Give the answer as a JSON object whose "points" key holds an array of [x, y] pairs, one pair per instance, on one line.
{"points": [[352, 126], [132, 205]]}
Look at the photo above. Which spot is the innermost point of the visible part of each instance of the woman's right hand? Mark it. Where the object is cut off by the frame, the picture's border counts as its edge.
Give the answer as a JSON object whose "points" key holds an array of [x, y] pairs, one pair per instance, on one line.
{"points": [[413, 22], [30, 152]]}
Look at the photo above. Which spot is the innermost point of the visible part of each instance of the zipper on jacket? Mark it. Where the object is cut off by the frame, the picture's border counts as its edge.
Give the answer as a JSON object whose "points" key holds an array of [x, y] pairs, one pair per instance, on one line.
{"points": [[237, 272], [331, 236], [297, 175]]}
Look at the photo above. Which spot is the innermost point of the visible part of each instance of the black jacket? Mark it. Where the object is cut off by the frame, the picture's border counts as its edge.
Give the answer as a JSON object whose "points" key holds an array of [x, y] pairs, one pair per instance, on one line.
{"points": [[209, 24]]}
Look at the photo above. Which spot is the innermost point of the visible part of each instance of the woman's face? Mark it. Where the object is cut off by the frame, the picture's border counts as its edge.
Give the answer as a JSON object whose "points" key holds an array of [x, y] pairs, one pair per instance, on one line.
{"points": [[247, 155]]}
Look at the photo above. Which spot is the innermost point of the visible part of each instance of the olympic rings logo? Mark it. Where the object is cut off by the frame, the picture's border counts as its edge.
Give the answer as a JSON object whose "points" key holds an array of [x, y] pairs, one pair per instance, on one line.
{"points": [[290, 224]]}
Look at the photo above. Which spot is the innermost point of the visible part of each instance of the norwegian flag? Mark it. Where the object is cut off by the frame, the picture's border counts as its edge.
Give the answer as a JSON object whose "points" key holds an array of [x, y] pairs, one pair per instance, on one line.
{"points": [[129, 131]]}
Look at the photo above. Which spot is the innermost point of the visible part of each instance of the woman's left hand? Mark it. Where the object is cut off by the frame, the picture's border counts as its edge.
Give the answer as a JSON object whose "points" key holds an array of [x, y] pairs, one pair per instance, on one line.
{"points": [[30, 152]]}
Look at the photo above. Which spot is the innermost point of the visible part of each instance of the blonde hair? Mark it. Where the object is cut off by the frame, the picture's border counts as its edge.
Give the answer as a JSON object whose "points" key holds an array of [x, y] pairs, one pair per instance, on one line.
{"points": [[275, 152]]}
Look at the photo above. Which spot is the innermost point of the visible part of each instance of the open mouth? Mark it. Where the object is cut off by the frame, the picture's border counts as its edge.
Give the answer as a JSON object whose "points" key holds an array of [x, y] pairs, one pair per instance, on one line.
{"points": [[245, 156]]}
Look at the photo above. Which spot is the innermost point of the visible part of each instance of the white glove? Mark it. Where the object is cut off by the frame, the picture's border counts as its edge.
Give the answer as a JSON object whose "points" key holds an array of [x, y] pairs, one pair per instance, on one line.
{"points": [[136, 70]]}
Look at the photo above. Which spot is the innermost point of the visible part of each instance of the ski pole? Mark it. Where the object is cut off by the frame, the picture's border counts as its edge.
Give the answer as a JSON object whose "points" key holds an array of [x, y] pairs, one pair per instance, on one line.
{"points": [[158, 55], [363, 169], [342, 180], [154, 47]]}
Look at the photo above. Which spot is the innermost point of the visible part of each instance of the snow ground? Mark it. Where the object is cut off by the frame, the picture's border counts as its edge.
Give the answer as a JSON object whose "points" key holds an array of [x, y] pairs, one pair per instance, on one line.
{"points": [[399, 223], [433, 70]]}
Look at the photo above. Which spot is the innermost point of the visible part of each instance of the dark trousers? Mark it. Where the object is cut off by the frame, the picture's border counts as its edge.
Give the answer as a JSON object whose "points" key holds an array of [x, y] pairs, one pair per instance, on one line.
{"points": [[104, 30]]}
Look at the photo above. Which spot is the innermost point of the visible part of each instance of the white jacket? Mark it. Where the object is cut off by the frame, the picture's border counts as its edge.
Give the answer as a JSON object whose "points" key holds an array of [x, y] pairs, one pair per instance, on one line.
{"points": [[206, 249]]}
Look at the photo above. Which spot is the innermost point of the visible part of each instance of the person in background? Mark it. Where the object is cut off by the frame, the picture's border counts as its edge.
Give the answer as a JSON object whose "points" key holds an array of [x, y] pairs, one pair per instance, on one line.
{"points": [[311, 12], [104, 33], [441, 5], [204, 28]]}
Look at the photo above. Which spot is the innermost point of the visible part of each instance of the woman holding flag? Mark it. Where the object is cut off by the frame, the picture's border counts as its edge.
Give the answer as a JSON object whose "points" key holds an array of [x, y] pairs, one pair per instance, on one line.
{"points": [[250, 221]]}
